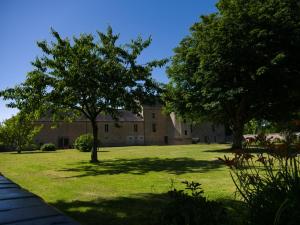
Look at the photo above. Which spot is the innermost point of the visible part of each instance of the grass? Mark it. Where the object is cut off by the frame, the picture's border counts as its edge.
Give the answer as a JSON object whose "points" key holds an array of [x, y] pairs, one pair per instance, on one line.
{"points": [[125, 187]]}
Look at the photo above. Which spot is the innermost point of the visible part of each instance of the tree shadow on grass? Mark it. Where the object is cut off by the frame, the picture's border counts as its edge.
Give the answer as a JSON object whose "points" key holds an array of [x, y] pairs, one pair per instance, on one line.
{"points": [[134, 210], [33, 152], [225, 150], [56, 151], [143, 165], [253, 150], [138, 210]]}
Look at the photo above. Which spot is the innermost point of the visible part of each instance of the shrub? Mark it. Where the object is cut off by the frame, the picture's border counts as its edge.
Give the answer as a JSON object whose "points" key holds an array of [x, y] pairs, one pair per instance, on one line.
{"points": [[269, 182], [84, 143], [48, 147], [195, 140], [190, 207], [31, 147], [3, 147]]}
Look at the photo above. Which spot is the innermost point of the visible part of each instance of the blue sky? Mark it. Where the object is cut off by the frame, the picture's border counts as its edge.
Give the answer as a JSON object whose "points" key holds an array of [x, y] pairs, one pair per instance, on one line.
{"points": [[23, 23]]}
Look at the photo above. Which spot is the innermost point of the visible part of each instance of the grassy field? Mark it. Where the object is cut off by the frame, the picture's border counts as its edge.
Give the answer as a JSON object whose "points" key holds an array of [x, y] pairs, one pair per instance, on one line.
{"points": [[125, 187]]}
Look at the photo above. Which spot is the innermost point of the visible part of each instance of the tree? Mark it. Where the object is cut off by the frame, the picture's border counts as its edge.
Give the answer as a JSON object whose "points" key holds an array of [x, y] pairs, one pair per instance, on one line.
{"points": [[86, 77], [238, 64], [18, 132]]}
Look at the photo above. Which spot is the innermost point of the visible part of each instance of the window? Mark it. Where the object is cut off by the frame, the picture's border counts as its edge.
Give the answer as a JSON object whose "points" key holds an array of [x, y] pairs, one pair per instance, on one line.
{"points": [[106, 128], [185, 132], [135, 128], [153, 115], [184, 121], [191, 128], [153, 127]]}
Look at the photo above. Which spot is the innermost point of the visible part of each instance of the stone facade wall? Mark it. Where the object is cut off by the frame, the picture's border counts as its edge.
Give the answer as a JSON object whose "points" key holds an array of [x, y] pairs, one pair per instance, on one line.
{"points": [[156, 125], [121, 134], [209, 133], [118, 134], [155, 128]]}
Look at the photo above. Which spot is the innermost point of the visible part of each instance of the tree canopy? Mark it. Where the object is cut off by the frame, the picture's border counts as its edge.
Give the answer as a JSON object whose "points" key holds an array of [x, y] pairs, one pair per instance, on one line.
{"points": [[239, 63], [86, 76]]}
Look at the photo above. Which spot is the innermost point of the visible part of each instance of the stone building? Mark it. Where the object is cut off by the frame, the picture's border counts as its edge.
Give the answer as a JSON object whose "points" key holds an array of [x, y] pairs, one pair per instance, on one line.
{"points": [[152, 127]]}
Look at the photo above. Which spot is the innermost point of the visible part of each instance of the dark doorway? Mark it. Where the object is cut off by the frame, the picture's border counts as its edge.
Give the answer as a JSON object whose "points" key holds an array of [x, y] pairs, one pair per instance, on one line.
{"points": [[166, 140], [63, 142], [206, 139]]}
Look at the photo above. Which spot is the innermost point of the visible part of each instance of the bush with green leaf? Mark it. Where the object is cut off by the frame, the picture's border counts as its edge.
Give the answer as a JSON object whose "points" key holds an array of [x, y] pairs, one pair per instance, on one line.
{"points": [[84, 142], [49, 147], [269, 182], [190, 207], [3, 147]]}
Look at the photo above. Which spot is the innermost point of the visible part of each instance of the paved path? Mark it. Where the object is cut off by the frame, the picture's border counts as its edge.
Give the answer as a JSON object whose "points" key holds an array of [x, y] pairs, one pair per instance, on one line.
{"points": [[20, 207]]}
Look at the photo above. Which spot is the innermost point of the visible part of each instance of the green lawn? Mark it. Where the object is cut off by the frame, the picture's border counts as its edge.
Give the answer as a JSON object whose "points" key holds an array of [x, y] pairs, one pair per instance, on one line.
{"points": [[125, 187]]}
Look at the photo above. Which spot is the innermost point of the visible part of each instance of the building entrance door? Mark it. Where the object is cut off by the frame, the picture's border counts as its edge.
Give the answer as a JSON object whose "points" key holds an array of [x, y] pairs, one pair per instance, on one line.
{"points": [[63, 142], [166, 140]]}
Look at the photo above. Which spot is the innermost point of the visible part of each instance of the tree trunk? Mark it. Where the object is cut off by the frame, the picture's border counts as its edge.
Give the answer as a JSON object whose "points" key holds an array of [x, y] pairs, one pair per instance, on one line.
{"points": [[94, 156], [18, 148], [237, 130]]}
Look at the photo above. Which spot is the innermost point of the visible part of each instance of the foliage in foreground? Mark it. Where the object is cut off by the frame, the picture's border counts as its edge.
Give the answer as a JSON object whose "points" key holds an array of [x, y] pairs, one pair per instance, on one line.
{"points": [[269, 183], [18, 132], [84, 143], [190, 207]]}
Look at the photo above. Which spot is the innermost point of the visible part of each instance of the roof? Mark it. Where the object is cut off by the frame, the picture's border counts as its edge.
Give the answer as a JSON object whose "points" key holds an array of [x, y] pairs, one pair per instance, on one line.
{"points": [[124, 116]]}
